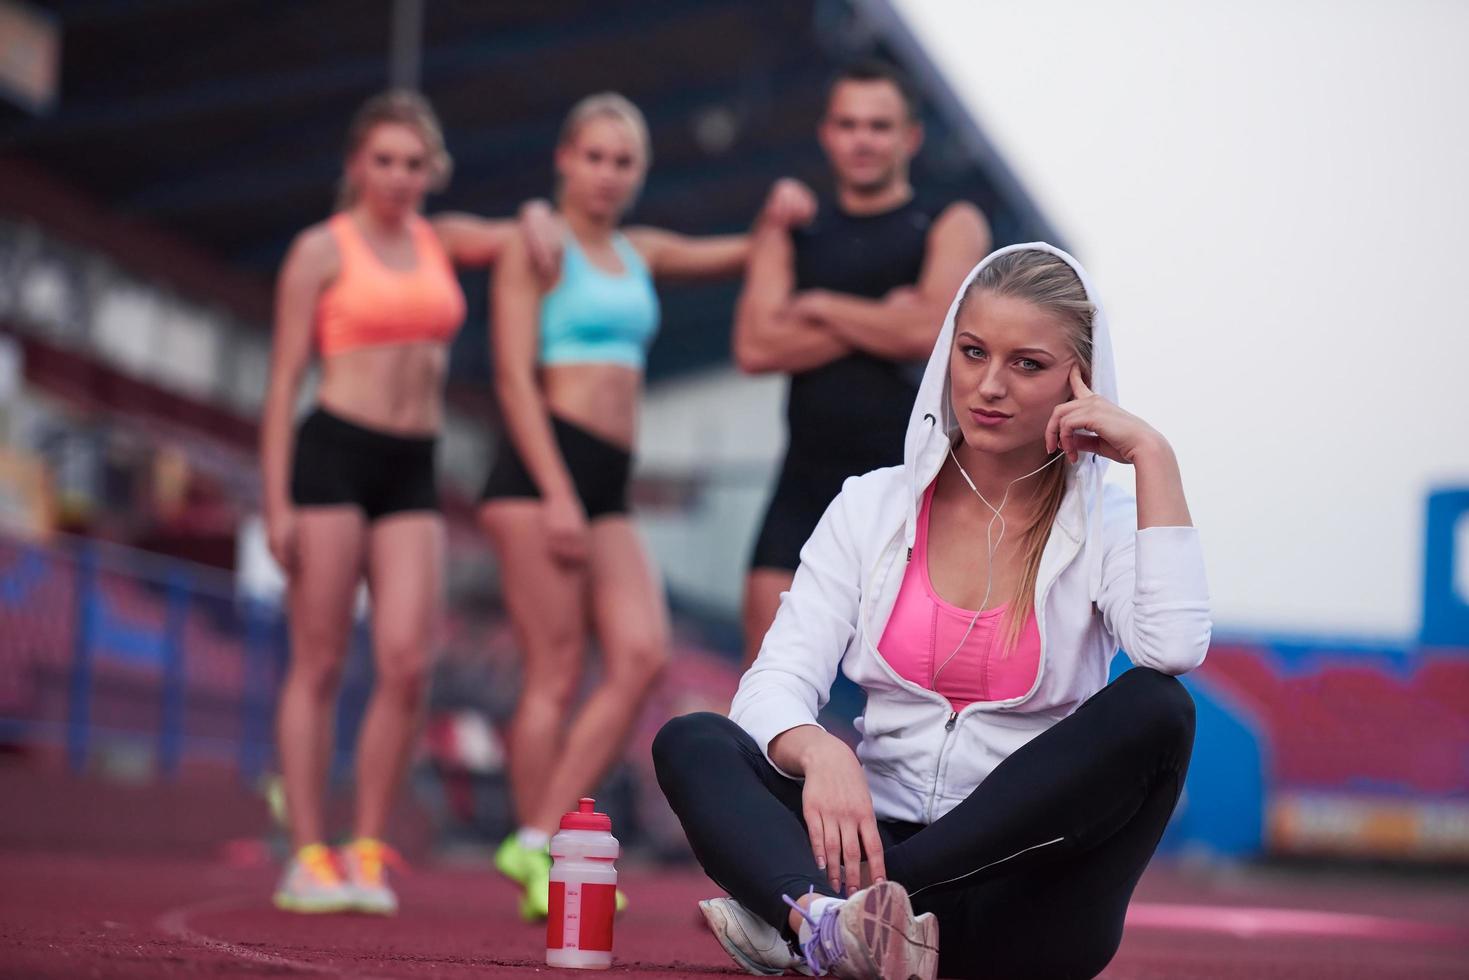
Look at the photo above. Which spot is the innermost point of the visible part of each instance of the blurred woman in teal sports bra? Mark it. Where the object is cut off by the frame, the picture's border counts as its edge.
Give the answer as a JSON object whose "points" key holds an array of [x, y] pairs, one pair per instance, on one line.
{"points": [[569, 357]]}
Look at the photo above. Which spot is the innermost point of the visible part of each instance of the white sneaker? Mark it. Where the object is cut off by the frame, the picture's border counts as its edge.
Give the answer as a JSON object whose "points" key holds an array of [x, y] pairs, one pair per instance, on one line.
{"points": [[755, 945], [873, 935], [312, 884], [363, 861]]}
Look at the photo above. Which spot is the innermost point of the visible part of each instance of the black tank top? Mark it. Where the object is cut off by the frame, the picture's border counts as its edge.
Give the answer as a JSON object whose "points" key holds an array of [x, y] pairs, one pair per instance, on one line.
{"points": [[854, 411]]}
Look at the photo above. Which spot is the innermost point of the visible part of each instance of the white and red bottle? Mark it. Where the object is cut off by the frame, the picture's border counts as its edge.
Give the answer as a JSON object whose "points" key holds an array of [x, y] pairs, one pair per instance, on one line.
{"points": [[583, 890]]}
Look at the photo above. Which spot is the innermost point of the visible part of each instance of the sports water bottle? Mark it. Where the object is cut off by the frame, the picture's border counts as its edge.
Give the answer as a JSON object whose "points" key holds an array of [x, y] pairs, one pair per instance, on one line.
{"points": [[583, 890]]}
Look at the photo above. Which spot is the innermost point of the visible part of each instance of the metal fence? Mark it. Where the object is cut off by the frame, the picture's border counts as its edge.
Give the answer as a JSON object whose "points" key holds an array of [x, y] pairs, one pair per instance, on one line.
{"points": [[133, 665], [105, 649]]}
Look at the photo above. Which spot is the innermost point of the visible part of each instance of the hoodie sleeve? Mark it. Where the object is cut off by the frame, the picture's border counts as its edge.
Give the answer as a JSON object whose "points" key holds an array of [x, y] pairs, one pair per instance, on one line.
{"points": [[790, 681], [1154, 597]]}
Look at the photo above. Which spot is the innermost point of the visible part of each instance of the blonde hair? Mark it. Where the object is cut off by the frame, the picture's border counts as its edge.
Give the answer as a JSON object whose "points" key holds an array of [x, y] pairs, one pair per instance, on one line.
{"points": [[607, 105], [405, 108], [1051, 284]]}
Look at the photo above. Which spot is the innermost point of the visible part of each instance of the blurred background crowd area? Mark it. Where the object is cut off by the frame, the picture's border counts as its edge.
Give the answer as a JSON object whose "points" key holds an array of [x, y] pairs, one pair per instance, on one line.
{"points": [[156, 158]]}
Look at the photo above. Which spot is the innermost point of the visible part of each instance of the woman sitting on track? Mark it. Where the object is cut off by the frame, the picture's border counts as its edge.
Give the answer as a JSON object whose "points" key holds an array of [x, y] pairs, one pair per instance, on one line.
{"points": [[1001, 784], [373, 290], [569, 358]]}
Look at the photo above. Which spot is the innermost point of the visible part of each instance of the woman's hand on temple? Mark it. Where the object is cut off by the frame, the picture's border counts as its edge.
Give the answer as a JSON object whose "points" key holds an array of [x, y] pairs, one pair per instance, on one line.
{"points": [[837, 806], [1110, 431]]}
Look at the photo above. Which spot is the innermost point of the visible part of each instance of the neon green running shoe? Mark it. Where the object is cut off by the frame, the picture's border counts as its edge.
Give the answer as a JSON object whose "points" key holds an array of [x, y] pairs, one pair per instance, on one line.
{"points": [[530, 868], [273, 788]]}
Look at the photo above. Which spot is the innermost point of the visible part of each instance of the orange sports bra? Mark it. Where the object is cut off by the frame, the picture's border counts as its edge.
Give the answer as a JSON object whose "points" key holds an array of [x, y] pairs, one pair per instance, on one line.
{"points": [[369, 303]]}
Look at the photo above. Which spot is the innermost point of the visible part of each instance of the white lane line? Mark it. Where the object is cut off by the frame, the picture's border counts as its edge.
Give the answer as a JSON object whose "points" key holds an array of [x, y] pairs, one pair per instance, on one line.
{"points": [[1247, 922], [175, 923]]}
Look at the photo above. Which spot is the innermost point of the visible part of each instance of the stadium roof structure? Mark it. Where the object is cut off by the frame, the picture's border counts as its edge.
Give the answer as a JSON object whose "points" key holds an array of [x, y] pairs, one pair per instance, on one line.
{"points": [[221, 121]]}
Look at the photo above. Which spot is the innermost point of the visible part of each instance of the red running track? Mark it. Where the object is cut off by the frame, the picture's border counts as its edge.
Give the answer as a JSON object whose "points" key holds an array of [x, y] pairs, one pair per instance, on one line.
{"points": [[66, 915]]}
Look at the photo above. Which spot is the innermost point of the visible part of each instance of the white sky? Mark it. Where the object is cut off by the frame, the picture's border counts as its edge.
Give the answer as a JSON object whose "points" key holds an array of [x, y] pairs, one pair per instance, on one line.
{"points": [[1273, 199]]}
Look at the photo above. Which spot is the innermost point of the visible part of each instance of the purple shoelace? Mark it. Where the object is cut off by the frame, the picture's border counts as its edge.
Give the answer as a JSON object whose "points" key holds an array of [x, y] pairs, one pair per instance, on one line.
{"points": [[824, 947]]}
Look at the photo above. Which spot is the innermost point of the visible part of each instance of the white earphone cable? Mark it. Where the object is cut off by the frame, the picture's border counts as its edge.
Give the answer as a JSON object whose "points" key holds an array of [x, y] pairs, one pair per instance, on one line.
{"points": [[991, 546]]}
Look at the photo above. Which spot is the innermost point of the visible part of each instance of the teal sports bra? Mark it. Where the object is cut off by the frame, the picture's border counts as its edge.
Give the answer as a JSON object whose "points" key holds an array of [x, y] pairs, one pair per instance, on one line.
{"points": [[594, 316]]}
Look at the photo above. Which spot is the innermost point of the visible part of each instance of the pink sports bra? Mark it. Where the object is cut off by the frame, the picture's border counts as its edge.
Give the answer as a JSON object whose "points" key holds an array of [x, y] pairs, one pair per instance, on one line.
{"points": [[923, 631]]}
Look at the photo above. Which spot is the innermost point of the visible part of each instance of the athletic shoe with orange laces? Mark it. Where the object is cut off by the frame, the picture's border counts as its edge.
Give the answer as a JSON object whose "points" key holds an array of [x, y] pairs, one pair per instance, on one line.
{"points": [[365, 862], [312, 883]]}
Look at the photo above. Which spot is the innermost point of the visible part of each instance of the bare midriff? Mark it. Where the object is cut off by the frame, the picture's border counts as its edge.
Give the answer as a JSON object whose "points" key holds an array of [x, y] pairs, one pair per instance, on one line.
{"points": [[397, 388], [600, 398]]}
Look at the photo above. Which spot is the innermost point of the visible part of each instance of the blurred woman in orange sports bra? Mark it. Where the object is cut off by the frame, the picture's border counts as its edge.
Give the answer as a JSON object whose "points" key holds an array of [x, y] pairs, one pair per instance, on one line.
{"points": [[351, 492]]}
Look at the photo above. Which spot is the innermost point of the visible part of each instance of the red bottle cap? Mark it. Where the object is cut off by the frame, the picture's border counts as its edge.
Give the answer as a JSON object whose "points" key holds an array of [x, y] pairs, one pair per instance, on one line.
{"points": [[586, 817]]}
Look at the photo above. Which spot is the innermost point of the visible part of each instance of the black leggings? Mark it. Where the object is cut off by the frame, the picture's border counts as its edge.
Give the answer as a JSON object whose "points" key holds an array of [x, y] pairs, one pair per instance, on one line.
{"points": [[1029, 877]]}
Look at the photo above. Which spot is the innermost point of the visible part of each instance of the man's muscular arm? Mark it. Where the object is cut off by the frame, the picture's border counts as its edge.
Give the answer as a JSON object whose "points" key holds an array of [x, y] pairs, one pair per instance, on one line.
{"points": [[768, 335], [902, 325]]}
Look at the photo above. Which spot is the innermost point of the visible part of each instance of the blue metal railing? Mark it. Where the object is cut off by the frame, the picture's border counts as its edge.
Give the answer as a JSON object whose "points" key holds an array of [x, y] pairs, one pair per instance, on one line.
{"points": [[144, 648]]}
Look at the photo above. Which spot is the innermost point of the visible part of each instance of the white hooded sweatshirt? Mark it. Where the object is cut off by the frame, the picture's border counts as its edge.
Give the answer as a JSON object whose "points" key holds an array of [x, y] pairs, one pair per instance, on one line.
{"points": [[1102, 584]]}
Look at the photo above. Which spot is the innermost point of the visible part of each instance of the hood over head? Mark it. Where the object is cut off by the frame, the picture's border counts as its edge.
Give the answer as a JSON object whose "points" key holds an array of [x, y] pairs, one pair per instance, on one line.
{"points": [[931, 429]]}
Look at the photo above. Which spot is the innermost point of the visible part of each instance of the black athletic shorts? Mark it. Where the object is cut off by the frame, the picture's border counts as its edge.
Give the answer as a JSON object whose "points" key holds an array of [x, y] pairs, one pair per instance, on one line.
{"points": [[340, 462], [805, 489], [599, 470]]}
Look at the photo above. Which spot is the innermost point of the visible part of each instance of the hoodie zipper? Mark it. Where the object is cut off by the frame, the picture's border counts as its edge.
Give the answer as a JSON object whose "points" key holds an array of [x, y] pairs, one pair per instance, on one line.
{"points": [[938, 768], [952, 721], [863, 615], [948, 730]]}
